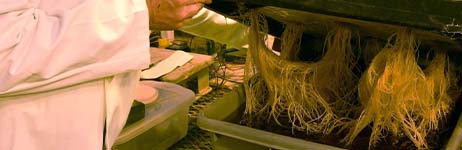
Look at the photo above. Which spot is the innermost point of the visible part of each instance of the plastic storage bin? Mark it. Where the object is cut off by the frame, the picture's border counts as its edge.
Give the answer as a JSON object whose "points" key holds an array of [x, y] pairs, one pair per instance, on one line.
{"points": [[165, 121], [233, 136]]}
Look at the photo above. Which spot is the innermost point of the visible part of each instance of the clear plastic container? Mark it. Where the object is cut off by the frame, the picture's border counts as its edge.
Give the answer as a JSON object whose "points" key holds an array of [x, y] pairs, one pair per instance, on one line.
{"points": [[242, 137], [165, 121]]}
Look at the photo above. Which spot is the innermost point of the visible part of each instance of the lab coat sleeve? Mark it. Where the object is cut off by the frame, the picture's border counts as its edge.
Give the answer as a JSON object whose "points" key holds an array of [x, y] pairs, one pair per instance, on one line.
{"points": [[51, 44], [211, 25]]}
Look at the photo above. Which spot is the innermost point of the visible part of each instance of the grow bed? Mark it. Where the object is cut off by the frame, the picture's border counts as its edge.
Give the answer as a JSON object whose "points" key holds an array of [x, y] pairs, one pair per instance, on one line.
{"points": [[224, 117]]}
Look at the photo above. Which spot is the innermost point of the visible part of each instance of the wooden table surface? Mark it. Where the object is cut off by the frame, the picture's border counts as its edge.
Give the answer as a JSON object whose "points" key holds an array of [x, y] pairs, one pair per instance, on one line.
{"points": [[181, 73]]}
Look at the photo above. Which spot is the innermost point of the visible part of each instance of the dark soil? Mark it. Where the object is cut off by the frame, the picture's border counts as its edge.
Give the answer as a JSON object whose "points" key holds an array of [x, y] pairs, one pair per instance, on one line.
{"points": [[435, 139]]}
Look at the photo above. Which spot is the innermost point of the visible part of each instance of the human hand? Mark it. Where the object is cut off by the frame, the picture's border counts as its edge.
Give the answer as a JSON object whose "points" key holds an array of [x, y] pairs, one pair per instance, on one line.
{"points": [[172, 14]]}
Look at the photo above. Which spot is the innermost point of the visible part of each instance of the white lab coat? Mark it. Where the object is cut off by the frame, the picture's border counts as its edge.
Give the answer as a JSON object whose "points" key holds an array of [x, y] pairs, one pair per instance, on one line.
{"points": [[211, 25], [67, 68]]}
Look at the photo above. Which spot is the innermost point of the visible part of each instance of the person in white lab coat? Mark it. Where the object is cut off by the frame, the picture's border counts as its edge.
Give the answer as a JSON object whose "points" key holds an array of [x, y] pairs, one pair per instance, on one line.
{"points": [[211, 25], [68, 68]]}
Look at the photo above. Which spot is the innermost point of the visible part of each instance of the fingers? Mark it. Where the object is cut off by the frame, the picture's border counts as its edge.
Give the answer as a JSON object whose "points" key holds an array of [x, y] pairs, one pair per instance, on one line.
{"points": [[181, 24], [204, 1], [168, 14], [192, 2], [193, 10]]}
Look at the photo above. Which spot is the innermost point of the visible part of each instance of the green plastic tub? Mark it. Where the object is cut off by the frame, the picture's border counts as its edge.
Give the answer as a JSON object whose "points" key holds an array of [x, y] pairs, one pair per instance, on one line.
{"points": [[233, 136]]}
